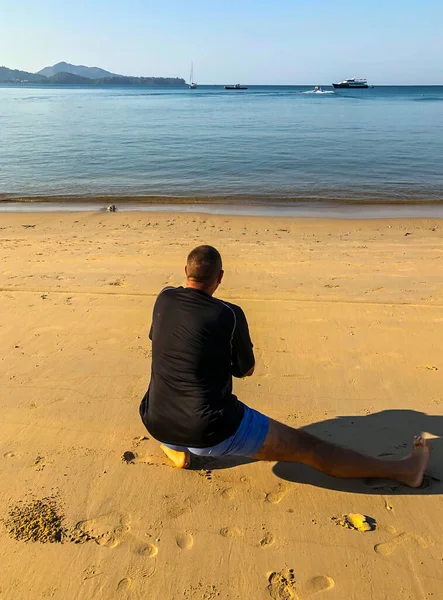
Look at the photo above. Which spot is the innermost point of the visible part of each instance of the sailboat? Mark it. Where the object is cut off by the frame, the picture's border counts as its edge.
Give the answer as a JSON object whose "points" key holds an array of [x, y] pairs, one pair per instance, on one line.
{"points": [[192, 84]]}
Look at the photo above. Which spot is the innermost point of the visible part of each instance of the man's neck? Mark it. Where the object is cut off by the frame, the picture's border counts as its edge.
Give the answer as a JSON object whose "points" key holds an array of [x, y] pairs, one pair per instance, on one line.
{"points": [[196, 285]]}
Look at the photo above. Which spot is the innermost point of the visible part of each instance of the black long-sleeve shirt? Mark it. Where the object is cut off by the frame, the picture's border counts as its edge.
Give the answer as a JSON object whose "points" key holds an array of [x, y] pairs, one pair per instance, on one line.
{"points": [[198, 344]]}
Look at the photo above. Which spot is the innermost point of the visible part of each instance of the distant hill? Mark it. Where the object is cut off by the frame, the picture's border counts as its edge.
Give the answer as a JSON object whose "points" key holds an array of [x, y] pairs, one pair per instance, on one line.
{"points": [[69, 78], [57, 76], [16, 76], [80, 70]]}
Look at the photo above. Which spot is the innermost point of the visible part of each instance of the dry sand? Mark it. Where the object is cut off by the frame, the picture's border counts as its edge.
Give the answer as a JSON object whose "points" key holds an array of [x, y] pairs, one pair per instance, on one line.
{"points": [[347, 321]]}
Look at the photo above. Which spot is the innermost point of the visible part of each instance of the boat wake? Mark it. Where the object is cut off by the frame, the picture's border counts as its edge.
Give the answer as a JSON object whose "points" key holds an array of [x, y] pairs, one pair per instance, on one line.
{"points": [[319, 92]]}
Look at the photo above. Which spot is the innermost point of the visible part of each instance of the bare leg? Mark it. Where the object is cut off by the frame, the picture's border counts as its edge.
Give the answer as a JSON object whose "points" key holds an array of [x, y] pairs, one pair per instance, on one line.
{"points": [[287, 444], [182, 460]]}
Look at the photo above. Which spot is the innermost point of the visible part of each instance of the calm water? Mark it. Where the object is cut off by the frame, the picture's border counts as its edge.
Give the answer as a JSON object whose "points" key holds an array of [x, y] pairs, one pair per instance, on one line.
{"points": [[265, 143]]}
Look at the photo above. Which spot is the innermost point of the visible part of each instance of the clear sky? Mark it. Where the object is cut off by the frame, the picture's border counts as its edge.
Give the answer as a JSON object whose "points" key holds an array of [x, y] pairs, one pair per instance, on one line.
{"points": [[229, 41]]}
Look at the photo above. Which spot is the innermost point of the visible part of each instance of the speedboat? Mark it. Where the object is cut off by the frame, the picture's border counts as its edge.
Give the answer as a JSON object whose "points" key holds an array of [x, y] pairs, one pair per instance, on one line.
{"points": [[352, 82], [318, 90], [237, 86]]}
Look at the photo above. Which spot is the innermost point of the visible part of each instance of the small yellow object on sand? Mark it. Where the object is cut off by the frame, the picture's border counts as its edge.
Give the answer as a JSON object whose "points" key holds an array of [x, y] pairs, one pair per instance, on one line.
{"points": [[431, 368], [358, 521], [355, 521]]}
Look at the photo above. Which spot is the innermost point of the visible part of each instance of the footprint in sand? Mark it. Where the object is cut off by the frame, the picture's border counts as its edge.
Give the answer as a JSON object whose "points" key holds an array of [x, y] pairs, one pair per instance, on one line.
{"points": [[106, 530], [8, 455], [387, 548], [140, 566], [91, 572], [185, 541], [175, 509], [277, 495], [228, 493], [201, 590], [124, 584], [282, 586], [150, 551], [141, 569], [231, 532], [318, 584], [267, 540]]}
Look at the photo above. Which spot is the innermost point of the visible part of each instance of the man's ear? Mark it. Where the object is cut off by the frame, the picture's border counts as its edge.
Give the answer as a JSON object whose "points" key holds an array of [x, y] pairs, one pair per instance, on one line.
{"points": [[220, 276]]}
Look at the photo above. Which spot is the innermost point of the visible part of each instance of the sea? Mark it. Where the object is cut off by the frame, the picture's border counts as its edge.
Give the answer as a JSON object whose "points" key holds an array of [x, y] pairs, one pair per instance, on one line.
{"points": [[276, 147]]}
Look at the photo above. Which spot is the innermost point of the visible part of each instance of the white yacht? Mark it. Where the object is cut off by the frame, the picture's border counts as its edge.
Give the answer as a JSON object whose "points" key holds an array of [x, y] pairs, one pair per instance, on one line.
{"points": [[352, 82]]}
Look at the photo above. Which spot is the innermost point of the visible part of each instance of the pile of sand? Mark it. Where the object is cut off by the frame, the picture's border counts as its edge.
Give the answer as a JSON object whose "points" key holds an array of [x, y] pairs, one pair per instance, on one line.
{"points": [[38, 520]]}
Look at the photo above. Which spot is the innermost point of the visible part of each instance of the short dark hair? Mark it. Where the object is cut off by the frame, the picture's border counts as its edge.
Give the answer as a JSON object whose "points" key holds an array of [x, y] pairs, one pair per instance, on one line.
{"points": [[204, 264]]}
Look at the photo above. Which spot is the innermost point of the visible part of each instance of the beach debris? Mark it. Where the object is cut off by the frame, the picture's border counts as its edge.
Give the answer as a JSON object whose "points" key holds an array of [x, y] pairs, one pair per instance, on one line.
{"points": [[139, 439], [40, 463], [111, 208], [408, 233], [28, 226], [38, 520], [355, 521], [128, 457], [431, 368]]}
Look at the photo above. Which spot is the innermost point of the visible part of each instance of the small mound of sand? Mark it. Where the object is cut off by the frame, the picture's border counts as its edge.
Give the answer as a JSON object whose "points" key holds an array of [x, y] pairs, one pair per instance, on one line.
{"points": [[35, 521]]}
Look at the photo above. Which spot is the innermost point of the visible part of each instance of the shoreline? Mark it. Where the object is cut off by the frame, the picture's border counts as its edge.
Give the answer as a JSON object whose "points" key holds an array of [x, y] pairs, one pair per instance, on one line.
{"points": [[223, 205]]}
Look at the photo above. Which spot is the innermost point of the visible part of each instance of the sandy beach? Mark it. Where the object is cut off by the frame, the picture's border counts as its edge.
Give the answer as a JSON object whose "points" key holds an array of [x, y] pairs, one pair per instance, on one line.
{"points": [[347, 322]]}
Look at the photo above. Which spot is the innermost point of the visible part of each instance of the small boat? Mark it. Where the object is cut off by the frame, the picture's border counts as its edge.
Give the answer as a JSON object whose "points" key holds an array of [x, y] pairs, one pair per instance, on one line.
{"points": [[192, 85], [318, 90], [237, 86], [352, 82]]}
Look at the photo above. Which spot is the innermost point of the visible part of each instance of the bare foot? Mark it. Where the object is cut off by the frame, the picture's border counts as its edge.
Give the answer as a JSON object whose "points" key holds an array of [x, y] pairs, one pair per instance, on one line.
{"points": [[181, 460], [417, 463]]}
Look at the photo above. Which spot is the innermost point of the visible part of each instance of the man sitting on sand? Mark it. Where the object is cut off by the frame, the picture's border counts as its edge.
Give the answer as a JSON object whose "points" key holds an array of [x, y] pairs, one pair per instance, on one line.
{"points": [[198, 344]]}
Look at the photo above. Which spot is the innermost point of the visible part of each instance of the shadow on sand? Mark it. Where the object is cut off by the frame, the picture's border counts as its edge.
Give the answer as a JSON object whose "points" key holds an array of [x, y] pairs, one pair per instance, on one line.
{"points": [[387, 434]]}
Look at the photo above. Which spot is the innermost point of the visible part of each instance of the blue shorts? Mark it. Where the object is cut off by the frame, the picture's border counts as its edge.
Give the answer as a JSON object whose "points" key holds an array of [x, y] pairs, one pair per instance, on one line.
{"points": [[246, 441]]}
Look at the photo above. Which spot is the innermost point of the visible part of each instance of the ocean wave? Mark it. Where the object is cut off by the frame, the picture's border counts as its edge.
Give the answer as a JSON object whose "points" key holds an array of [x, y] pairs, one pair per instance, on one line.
{"points": [[428, 99]]}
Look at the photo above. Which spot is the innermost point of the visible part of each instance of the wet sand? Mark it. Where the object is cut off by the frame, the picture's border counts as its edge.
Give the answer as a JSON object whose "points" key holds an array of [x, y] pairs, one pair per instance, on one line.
{"points": [[233, 206], [347, 319]]}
